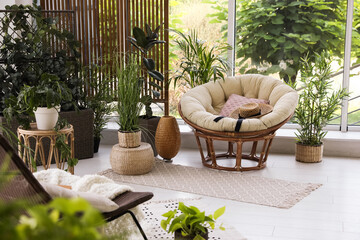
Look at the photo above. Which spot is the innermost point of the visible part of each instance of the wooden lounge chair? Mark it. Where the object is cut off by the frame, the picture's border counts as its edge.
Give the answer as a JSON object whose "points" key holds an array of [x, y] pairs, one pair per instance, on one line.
{"points": [[26, 187]]}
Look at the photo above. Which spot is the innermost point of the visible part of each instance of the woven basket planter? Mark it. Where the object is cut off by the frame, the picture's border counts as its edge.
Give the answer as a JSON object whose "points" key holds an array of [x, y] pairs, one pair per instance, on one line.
{"points": [[309, 154], [129, 139], [132, 161], [167, 138]]}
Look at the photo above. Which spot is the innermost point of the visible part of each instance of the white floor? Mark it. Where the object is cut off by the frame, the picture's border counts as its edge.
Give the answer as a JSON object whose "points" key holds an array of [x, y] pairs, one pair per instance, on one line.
{"points": [[331, 213]]}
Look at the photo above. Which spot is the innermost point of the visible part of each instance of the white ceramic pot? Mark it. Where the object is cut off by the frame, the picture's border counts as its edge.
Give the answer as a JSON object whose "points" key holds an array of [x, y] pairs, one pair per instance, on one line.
{"points": [[46, 118]]}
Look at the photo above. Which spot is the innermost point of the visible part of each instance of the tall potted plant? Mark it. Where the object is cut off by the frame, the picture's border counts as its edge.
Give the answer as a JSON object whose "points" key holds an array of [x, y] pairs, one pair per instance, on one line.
{"points": [[128, 107], [144, 42], [99, 101], [317, 104]]}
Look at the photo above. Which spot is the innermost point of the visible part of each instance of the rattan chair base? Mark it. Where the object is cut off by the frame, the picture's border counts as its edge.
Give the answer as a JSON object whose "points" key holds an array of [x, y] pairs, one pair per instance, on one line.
{"points": [[239, 138]]}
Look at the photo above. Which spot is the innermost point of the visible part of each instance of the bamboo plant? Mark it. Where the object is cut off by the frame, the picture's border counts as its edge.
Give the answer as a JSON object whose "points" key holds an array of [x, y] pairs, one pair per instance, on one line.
{"points": [[318, 101]]}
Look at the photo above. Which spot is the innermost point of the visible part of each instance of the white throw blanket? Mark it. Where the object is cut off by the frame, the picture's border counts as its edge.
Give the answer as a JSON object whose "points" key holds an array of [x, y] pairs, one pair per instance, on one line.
{"points": [[95, 184]]}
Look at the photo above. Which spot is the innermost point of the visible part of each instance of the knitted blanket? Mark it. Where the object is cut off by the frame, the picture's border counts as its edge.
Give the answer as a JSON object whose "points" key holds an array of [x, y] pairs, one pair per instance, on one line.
{"points": [[96, 184]]}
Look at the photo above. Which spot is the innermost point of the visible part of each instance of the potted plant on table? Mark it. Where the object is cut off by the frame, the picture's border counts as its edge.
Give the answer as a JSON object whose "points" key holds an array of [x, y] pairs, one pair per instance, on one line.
{"points": [[128, 107], [317, 104], [191, 223], [144, 42], [42, 101]]}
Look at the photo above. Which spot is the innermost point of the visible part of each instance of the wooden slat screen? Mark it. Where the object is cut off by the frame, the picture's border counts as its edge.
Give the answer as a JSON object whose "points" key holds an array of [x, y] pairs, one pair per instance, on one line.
{"points": [[102, 27]]}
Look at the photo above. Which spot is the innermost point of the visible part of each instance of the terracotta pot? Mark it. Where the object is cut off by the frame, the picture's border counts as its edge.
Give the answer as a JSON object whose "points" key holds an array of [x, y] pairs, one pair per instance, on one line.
{"points": [[167, 138], [129, 139], [178, 236], [309, 154]]}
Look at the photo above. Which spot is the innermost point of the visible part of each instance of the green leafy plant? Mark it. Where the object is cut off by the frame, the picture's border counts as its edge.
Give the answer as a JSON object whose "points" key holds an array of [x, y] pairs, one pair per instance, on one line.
{"points": [[128, 91], [49, 92], [100, 100], [317, 101], [199, 63], [273, 35], [144, 42], [191, 221], [27, 52], [62, 144]]}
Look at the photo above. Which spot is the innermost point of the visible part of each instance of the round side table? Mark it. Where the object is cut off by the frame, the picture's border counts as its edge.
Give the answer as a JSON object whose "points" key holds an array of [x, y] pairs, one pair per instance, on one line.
{"points": [[27, 153]]}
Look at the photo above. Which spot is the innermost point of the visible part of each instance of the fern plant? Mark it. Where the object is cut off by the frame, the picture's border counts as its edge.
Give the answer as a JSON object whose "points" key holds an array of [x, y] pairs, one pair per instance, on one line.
{"points": [[317, 101]]}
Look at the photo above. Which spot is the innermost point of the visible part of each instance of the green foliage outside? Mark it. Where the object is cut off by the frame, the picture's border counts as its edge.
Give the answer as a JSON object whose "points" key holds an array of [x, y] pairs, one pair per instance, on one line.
{"points": [[199, 63], [317, 101], [273, 35], [191, 221]]}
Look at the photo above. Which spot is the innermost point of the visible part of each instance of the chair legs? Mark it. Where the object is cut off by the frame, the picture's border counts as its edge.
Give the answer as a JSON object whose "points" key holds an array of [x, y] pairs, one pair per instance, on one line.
{"points": [[211, 159], [137, 224]]}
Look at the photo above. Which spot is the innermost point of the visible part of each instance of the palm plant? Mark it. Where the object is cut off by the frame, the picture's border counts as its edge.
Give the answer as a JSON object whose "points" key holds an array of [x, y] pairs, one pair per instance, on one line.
{"points": [[199, 63]]}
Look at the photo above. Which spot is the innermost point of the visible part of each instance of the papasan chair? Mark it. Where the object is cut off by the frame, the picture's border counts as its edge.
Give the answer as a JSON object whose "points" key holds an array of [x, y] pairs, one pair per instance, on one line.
{"points": [[202, 108]]}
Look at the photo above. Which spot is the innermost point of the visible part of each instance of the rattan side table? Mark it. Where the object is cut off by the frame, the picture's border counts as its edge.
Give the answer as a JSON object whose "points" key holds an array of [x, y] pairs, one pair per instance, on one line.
{"points": [[26, 152]]}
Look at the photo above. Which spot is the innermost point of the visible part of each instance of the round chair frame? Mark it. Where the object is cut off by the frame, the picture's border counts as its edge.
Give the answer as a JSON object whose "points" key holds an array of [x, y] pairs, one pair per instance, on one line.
{"points": [[210, 161]]}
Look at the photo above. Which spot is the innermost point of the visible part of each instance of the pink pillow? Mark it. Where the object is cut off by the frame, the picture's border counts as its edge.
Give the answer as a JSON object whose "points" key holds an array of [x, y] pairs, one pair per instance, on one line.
{"points": [[235, 101]]}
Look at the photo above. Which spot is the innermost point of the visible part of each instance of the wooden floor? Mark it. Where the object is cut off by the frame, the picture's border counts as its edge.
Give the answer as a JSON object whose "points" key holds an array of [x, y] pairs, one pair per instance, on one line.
{"points": [[331, 213]]}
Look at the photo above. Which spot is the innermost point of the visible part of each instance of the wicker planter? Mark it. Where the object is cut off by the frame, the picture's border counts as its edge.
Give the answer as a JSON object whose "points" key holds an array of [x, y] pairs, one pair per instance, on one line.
{"points": [[129, 139], [132, 161], [167, 138], [178, 235], [308, 154], [83, 123]]}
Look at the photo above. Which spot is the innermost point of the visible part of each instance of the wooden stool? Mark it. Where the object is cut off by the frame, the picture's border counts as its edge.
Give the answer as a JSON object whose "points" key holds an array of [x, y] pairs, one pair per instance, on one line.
{"points": [[27, 154]]}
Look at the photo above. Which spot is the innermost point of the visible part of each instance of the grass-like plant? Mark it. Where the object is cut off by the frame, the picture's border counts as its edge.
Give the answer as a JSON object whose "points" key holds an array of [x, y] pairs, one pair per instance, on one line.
{"points": [[317, 101], [129, 89], [191, 222], [199, 63]]}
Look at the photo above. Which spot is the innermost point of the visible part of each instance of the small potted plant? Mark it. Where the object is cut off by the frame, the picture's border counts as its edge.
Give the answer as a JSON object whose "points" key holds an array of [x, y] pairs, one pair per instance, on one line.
{"points": [[128, 107], [317, 104], [191, 223], [42, 100]]}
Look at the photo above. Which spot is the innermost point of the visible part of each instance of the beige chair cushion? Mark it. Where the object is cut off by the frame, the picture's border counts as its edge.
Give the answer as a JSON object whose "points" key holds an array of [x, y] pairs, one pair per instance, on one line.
{"points": [[202, 104]]}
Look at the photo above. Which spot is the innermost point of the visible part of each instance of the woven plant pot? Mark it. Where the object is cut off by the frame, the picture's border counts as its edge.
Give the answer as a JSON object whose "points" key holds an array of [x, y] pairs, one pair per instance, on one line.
{"points": [[132, 161], [167, 138], [129, 139], [308, 154]]}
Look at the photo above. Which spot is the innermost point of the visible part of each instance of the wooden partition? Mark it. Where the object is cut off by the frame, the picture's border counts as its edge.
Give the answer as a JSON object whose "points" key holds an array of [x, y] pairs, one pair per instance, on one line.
{"points": [[103, 26]]}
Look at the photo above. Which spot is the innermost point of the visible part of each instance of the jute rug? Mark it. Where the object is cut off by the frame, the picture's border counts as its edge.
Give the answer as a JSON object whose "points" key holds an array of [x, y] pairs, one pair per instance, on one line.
{"points": [[154, 209], [221, 184]]}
